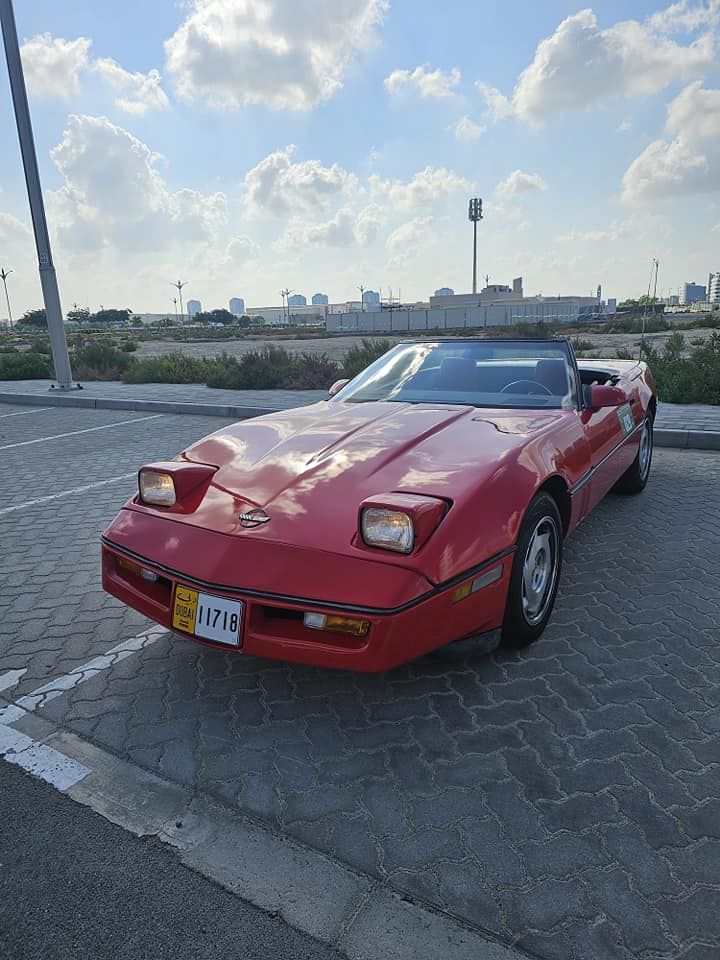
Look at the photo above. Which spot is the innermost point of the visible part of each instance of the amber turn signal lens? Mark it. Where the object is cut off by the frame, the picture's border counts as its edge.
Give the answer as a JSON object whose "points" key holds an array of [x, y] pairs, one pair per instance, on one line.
{"points": [[321, 621]]}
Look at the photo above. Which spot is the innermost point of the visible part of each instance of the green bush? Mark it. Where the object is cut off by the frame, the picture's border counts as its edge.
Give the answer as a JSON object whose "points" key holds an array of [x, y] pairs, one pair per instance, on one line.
{"points": [[272, 368], [691, 379], [359, 357], [635, 325], [99, 361], [128, 346], [171, 368], [25, 366]]}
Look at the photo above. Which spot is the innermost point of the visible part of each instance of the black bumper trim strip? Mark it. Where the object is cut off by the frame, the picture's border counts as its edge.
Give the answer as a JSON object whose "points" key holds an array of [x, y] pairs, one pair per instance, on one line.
{"points": [[307, 601]]}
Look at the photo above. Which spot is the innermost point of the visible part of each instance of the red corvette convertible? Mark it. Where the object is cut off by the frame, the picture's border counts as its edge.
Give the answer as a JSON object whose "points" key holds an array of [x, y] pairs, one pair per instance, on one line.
{"points": [[425, 501]]}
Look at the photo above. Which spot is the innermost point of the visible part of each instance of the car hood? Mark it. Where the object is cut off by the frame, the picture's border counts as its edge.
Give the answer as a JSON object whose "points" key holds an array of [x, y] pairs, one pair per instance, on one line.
{"points": [[309, 468]]}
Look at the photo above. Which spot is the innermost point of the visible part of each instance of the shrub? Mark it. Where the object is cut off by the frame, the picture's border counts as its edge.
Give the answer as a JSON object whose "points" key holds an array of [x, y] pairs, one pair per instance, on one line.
{"points": [[99, 361], [273, 368], [691, 379], [128, 346], [635, 325], [171, 368], [25, 366], [359, 357]]}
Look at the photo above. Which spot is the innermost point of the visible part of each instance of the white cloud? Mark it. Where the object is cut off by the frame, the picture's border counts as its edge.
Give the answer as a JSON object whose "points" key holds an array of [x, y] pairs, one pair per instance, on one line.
{"points": [[690, 161], [241, 249], [519, 182], [52, 66], [422, 190], [497, 105], [141, 91], [624, 126], [582, 64], [280, 187], [348, 228], [12, 231], [716, 228], [425, 83], [113, 195], [409, 240], [685, 16], [466, 130], [284, 54]]}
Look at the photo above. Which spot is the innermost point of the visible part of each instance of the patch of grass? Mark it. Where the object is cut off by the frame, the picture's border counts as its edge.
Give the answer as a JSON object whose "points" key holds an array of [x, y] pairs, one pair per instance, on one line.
{"points": [[691, 379]]}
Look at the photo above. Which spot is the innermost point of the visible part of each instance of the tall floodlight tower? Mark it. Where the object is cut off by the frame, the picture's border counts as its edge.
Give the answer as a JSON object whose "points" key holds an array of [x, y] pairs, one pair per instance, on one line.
{"points": [[475, 214], [48, 279], [179, 284]]}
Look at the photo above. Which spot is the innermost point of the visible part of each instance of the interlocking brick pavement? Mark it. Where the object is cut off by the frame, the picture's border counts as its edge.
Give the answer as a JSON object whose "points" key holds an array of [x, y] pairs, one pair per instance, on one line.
{"points": [[565, 798]]}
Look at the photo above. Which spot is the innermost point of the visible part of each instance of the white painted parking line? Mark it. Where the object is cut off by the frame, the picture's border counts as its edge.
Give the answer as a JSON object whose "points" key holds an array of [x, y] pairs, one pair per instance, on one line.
{"points": [[48, 691], [24, 413], [74, 433], [41, 760], [66, 493], [11, 678]]}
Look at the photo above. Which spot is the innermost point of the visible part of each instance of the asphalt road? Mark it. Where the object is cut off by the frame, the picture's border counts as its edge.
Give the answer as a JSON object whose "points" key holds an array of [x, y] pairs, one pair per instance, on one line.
{"points": [[566, 798], [75, 887]]}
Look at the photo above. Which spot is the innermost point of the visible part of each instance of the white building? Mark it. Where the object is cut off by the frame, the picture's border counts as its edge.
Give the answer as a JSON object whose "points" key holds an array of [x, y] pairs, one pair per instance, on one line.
{"points": [[237, 306], [193, 307], [713, 290], [371, 299], [444, 292], [320, 299], [297, 300]]}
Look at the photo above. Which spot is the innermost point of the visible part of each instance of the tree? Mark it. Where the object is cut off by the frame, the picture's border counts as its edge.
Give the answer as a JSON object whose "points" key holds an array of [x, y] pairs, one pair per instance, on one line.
{"points": [[215, 316], [79, 315], [34, 318], [111, 316]]}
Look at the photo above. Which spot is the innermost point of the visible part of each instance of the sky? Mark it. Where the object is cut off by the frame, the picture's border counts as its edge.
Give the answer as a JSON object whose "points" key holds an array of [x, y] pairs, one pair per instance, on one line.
{"points": [[246, 146]]}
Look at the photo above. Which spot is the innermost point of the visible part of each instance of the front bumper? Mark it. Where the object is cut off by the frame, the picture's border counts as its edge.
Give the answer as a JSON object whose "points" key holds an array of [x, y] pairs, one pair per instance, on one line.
{"points": [[273, 625]]}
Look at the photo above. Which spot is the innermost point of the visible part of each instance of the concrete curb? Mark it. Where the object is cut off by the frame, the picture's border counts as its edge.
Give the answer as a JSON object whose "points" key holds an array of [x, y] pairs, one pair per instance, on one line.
{"points": [[360, 916], [664, 436]]}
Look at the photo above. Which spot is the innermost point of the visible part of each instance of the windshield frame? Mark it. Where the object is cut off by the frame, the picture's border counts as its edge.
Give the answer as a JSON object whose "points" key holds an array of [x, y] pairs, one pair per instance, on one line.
{"points": [[577, 398]]}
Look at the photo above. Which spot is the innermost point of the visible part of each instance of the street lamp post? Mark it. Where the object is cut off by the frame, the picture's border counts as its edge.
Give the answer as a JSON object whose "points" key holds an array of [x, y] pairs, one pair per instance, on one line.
{"points": [[361, 288], [5, 274], [475, 214], [48, 279], [175, 302]]}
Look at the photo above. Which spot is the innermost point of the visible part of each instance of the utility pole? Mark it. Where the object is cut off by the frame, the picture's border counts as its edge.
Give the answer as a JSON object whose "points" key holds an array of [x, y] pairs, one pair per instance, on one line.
{"points": [[5, 274], [361, 288], [475, 214], [285, 294], [48, 279], [180, 284], [175, 302]]}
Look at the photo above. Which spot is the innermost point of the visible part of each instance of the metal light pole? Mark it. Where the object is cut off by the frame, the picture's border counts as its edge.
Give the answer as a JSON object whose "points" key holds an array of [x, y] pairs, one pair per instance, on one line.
{"points": [[180, 284], [48, 280], [175, 301], [286, 297], [475, 214], [361, 288], [5, 274]]}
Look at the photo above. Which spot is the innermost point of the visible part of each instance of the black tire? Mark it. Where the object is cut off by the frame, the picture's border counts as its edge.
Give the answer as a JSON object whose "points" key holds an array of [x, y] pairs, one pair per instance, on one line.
{"points": [[530, 604], [635, 478]]}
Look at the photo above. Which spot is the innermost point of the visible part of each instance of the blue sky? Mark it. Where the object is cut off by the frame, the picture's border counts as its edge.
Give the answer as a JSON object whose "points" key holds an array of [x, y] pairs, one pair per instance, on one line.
{"points": [[248, 145]]}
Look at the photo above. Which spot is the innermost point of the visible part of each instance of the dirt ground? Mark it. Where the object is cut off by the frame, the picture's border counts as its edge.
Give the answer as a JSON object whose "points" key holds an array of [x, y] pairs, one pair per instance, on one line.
{"points": [[603, 344]]}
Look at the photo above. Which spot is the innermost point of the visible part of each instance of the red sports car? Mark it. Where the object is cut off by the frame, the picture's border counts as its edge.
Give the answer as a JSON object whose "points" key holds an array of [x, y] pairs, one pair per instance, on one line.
{"points": [[425, 501]]}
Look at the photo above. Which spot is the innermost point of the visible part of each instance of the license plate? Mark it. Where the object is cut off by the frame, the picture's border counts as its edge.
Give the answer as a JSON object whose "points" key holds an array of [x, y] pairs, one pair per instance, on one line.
{"points": [[207, 616]]}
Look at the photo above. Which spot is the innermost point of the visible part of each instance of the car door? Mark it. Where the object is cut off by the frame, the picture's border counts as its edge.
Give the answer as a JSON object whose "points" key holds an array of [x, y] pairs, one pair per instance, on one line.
{"points": [[611, 454]]}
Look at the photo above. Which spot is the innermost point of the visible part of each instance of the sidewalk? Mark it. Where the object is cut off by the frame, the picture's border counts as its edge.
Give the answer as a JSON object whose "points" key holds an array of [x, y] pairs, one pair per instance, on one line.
{"points": [[691, 426]]}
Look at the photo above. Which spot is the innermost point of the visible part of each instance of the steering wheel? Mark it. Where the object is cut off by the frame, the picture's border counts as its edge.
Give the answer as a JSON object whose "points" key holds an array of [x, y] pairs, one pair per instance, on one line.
{"points": [[526, 383]]}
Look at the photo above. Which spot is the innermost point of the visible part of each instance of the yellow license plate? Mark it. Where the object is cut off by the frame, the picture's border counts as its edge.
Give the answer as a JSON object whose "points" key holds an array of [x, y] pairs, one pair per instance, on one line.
{"points": [[204, 615], [185, 610]]}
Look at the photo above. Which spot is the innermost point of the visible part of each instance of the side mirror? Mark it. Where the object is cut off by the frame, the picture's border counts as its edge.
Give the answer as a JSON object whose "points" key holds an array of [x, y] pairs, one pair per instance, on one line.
{"points": [[337, 387], [604, 396]]}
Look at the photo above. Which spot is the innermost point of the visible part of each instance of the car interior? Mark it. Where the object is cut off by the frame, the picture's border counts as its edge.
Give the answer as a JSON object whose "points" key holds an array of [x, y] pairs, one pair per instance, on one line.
{"points": [[547, 376]]}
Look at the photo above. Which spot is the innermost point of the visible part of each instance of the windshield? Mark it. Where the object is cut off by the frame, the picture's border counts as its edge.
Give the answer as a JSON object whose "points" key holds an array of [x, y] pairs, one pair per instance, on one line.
{"points": [[529, 374]]}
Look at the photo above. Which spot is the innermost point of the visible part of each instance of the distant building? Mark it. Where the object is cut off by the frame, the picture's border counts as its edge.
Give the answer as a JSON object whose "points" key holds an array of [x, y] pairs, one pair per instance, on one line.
{"points": [[713, 290], [444, 292], [672, 301], [237, 306], [692, 292], [297, 300], [193, 307], [518, 287], [371, 298], [320, 299]]}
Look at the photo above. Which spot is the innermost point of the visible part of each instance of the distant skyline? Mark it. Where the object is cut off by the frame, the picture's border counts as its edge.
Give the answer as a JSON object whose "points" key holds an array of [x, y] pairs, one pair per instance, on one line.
{"points": [[251, 148]]}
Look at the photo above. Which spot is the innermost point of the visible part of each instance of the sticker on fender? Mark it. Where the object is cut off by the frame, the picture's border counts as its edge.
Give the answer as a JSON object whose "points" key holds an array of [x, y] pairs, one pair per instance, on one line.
{"points": [[625, 417], [207, 616]]}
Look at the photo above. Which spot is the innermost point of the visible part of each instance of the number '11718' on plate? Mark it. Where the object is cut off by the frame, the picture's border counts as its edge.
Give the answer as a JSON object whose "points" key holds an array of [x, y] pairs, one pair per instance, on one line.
{"points": [[207, 616]]}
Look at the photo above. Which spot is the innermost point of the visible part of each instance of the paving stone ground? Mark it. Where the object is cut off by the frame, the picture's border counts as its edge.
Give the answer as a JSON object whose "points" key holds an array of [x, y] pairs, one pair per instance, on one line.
{"points": [[566, 798]]}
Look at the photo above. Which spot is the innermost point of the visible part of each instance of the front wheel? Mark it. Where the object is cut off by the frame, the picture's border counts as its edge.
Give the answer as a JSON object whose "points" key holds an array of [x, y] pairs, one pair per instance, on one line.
{"points": [[635, 478], [535, 573]]}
